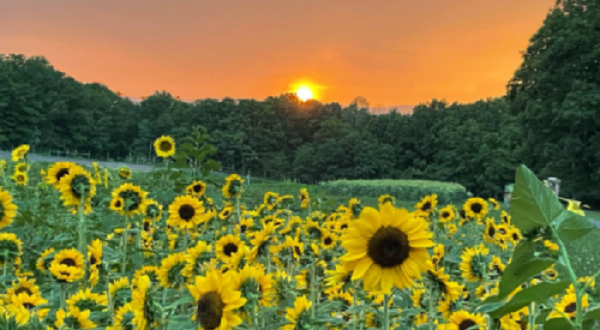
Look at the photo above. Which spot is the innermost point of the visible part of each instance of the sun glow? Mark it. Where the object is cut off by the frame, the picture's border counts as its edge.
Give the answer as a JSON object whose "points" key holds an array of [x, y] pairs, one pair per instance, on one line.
{"points": [[304, 93]]}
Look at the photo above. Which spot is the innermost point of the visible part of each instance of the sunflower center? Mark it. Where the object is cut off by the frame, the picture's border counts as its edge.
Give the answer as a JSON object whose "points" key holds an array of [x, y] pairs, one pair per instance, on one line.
{"points": [[118, 204], [476, 208], [243, 228], [93, 260], [197, 188], [314, 232], [210, 310], [80, 185], [297, 250], [187, 212], [152, 210], [69, 262], [85, 304], [328, 241], [426, 206], [445, 215], [344, 226], [571, 308], [502, 231], [466, 324], [22, 290], [515, 236], [505, 219], [133, 199], [62, 172], [462, 213], [28, 305], [388, 247], [230, 249], [165, 146], [491, 231]]}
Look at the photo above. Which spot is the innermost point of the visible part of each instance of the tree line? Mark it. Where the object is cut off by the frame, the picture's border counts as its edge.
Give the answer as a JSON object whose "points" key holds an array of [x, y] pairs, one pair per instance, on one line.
{"points": [[549, 120]]}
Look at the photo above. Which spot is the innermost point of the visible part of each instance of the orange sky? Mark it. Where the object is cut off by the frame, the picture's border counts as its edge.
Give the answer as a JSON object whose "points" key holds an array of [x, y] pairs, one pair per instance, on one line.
{"points": [[391, 52]]}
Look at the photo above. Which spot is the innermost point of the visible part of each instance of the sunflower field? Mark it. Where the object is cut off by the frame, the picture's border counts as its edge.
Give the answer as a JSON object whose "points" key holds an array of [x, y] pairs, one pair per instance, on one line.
{"points": [[87, 248]]}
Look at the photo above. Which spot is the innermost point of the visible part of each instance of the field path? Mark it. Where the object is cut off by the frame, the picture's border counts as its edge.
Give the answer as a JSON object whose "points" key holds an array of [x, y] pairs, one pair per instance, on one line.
{"points": [[53, 159]]}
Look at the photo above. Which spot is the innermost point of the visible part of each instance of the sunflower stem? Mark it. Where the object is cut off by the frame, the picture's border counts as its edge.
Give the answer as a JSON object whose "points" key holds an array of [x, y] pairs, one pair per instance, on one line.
{"points": [[531, 319], [431, 308], [268, 256], [5, 261], [63, 295], [237, 208], [386, 311], [573, 276], [110, 302], [354, 319], [124, 242]]}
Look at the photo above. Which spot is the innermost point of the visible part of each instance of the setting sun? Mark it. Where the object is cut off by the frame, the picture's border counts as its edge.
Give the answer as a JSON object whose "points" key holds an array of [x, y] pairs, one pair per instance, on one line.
{"points": [[304, 93]]}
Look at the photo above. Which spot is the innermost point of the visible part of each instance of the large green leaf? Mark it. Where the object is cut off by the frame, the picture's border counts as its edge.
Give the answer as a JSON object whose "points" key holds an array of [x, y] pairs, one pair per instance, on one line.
{"points": [[538, 293], [573, 226], [533, 204], [558, 324], [522, 267]]}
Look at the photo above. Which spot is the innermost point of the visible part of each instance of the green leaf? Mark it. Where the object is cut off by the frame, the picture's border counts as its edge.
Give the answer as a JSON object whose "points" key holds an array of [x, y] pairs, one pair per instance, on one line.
{"points": [[573, 226], [533, 205], [558, 324], [490, 307], [542, 316], [538, 293], [517, 273]]}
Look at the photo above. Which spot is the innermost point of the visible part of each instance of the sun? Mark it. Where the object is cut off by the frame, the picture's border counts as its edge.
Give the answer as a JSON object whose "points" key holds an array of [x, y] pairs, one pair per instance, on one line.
{"points": [[304, 93]]}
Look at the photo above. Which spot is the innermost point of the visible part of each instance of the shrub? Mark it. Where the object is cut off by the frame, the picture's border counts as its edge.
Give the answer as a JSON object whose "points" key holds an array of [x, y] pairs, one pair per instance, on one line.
{"points": [[407, 190]]}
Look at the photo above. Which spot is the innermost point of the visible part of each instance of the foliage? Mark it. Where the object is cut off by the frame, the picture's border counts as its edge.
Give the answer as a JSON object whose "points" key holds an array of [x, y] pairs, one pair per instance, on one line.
{"points": [[408, 190]]}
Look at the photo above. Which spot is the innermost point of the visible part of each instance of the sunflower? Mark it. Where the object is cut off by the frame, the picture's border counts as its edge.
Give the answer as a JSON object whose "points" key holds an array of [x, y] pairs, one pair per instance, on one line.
{"points": [[95, 252], [338, 276], [164, 146], [299, 314], [20, 178], [44, 260], [515, 235], [117, 204], [119, 292], [447, 214], [74, 319], [170, 272], [8, 210], [186, 212], [261, 240], [490, 231], [22, 286], [386, 199], [567, 306], [446, 307], [417, 297], [134, 199], [228, 246], [22, 167], [387, 248], [226, 212], [496, 268], [20, 152], [463, 320], [551, 245], [194, 258], [125, 173], [505, 217], [10, 247], [124, 318], [473, 263], [68, 265], [270, 200], [153, 209], [508, 323], [494, 203], [452, 229], [304, 198], [354, 208], [145, 315], [77, 185], [313, 229], [426, 206], [196, 189], [245, 224], [328, 240], [449, 290], [475, 208], [550, 274], [216, 301], [233, 187], [86, 300], [23, 306], [438, 254], [253, 283]]}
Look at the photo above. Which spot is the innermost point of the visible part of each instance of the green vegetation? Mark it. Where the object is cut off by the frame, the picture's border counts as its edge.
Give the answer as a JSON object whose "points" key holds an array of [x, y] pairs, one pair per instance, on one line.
{"points": [[407, 190]]}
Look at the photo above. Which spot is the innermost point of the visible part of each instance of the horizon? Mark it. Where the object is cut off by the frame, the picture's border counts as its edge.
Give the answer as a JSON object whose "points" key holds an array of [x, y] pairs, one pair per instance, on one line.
{"points": [[394, 54]]}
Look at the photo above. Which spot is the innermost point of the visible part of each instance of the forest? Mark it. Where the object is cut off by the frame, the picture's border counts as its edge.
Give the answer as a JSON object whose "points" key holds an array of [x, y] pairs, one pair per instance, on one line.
{"points": [[548, 119]]}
